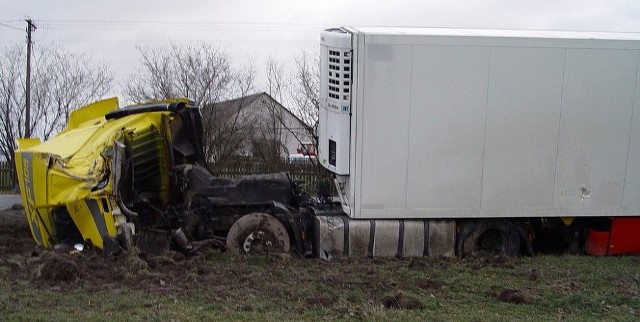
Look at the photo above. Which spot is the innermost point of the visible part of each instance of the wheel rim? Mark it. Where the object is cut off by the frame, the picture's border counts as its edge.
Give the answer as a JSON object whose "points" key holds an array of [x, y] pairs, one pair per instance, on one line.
{"points": [[259, 242], [257, 233]]}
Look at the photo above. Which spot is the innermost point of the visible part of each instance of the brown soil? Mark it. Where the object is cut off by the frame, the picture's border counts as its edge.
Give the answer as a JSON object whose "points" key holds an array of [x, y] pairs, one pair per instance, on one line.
{"points": [[430, 284], [516, 296], [217, 274], [483, 260], [15, 236], [512, 296], [222, 277], [402, 300]]}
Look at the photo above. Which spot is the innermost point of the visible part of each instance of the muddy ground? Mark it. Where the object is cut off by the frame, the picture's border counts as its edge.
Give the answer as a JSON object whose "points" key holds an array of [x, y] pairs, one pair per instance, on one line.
{"points": [[165, 272], [348, 287], [172, 271]]}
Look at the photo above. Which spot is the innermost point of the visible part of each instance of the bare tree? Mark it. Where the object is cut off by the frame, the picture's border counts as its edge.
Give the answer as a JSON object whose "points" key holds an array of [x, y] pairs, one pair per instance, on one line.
{"points": [[202, 73], [279, 125], [61, 82], [153, 79], [267, 140], [199, 72], [12, 93], [229, 125], [305, 93]]}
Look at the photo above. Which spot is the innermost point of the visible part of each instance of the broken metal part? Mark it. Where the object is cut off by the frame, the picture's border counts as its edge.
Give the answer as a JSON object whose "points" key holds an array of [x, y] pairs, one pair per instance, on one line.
{"points": [[122, 187], [125, 235], [182, 240]]}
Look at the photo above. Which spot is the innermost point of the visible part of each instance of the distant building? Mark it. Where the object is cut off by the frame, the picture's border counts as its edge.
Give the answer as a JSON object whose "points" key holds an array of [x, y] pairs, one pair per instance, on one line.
{"points": [[267, 128]]}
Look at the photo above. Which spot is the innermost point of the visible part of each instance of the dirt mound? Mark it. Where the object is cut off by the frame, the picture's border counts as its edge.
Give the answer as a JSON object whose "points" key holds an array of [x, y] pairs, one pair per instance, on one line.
{"points": [[514, 296], [402, 300], [90, 268], [54, 267], [430, 284]]}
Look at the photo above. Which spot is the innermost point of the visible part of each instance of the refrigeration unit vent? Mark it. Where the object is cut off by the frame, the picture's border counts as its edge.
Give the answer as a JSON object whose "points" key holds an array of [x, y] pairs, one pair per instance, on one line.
{"points": [[339, 74]]}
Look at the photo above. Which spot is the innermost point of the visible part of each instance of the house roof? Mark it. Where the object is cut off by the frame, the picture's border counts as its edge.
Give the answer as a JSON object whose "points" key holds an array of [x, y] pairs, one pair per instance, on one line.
{"points": [[244, 100], [248, 100]]}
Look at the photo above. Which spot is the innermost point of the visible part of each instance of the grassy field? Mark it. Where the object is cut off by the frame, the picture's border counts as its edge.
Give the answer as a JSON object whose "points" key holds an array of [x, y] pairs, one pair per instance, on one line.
{"points": [[38, 285]]}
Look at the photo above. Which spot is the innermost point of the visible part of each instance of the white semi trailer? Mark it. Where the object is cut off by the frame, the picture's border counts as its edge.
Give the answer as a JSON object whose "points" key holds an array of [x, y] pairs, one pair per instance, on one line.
{"points": [[452, 141]]}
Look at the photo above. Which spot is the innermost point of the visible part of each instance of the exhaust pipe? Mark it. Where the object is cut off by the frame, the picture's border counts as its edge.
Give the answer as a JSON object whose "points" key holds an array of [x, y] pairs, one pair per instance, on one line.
{"points": [[175, 107]]}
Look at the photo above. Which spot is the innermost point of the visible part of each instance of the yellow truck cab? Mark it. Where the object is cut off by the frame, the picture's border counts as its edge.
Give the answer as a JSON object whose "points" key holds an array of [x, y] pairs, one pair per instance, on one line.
{"points": [[81, 187]]}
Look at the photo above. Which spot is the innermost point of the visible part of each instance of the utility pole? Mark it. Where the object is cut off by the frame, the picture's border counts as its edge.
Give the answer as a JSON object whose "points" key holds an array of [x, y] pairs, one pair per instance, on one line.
{"points": [[27, 115]]}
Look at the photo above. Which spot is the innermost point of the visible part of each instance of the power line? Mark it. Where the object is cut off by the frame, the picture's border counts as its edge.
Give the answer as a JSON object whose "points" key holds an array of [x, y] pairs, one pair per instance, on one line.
{"points": [[154, 25], [173, 22], [177, 27], [220, 34], [10, 26]]}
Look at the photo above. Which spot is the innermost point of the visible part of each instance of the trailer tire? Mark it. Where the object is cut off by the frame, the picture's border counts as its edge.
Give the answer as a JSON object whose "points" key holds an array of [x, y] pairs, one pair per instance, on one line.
{"points": [[258, 233], [499, 237]]}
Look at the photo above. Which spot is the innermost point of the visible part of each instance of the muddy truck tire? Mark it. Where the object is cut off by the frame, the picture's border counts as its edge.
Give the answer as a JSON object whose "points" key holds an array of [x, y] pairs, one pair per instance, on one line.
{"points": [[499, 237]]}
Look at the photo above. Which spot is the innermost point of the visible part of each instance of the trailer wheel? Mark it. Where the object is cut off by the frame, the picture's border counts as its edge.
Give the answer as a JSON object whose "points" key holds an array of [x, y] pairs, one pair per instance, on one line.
{"points": [[500, 237], [258, 233]]}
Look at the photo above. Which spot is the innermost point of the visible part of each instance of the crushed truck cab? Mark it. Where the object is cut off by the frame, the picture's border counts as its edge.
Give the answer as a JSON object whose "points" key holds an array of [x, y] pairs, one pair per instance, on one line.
{"points": [[76, 186], [114, 173]]}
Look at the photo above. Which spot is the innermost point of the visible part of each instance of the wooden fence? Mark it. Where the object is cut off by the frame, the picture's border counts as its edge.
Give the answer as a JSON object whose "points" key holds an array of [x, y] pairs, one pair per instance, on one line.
{"points": [[311, 175], [7, 177]]}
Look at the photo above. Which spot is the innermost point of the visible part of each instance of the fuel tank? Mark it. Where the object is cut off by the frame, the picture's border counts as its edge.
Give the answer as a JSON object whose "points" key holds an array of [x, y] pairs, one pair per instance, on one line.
{"points": [[338, 235]]}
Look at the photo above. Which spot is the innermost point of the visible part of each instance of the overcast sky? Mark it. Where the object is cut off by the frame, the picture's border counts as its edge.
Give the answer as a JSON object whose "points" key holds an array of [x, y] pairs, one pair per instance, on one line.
{"points": [[254, 30]]}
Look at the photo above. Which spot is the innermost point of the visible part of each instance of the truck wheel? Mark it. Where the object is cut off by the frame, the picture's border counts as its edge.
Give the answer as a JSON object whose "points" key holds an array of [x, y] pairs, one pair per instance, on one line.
{"points": [[500, 237], [257, 233]]}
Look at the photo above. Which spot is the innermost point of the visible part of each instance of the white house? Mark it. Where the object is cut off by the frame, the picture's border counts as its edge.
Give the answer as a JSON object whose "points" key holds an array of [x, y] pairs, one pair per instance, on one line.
{"points": [[271, 130]]}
